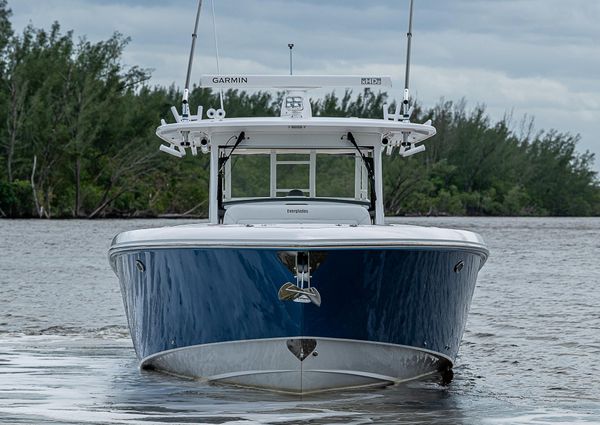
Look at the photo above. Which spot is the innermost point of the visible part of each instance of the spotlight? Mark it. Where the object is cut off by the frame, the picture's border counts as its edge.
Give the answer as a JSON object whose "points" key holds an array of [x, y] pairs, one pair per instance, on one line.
{"points": [[204, 147]]}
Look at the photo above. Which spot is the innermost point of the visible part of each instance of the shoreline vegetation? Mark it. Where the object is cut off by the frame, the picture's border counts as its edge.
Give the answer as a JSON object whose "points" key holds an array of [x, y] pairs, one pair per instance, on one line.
{"points": [[77, 141]]}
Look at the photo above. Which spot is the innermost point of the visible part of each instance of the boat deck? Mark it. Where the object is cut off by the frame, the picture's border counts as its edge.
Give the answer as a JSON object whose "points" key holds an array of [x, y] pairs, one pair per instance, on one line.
{"points": [[310, 236]]}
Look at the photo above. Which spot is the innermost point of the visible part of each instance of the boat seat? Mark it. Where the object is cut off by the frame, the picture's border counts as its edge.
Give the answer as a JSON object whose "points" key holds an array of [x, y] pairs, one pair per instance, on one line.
{"points": [[296, 212]]}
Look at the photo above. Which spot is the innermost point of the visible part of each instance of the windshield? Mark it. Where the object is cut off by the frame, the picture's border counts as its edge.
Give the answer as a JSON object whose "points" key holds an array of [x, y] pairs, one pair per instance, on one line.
{"points": [[337, 174]]}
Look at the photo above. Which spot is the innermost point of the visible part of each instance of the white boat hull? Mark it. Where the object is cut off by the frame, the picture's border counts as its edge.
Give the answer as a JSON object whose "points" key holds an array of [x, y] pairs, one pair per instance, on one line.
{"points": [[334, 364]]}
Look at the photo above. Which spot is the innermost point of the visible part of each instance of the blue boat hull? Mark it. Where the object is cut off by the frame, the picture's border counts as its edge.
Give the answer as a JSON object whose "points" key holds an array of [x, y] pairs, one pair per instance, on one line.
{"points": [[188, 297]]}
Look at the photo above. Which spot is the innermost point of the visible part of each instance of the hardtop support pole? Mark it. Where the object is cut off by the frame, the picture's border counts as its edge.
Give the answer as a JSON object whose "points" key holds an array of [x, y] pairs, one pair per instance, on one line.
{"points": [[378, 166], [213, 211]]}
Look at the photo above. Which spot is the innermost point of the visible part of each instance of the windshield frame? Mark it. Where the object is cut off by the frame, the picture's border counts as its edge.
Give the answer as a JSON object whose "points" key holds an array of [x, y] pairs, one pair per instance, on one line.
{"points": [[363, 184]]}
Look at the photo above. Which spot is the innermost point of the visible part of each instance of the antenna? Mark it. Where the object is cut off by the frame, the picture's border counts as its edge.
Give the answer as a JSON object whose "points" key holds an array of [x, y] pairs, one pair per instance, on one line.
{"points": [[212, 3], [405, 109], [291, 46], [185, 107]]}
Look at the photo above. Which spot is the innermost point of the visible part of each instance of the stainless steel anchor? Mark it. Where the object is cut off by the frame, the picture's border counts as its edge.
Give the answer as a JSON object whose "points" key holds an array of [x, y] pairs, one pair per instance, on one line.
{"points": [[302, 291]]}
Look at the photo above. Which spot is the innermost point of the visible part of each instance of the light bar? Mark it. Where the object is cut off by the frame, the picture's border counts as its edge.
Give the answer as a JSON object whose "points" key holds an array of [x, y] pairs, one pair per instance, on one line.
{"points": [[292, 81]]}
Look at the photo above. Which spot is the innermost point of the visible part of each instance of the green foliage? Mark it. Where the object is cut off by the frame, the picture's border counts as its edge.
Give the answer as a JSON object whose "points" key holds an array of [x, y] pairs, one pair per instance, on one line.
{"points": [[5, 27], [476, 167], [87, 123], [16, 199]]}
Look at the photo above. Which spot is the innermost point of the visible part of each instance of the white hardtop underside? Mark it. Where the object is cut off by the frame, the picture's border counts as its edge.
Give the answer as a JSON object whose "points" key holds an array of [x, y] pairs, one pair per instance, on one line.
{"points": [[321, 125], [297, 236]]}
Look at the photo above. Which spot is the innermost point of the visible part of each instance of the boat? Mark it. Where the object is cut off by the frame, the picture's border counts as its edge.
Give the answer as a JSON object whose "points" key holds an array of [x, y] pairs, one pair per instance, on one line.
{"points": [[296, 283]]}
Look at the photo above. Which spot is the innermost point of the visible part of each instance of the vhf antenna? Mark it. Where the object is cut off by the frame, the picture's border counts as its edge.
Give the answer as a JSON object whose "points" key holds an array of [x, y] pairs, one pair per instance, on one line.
{"points": [[185, 107], [291, 46], [405, 107]]}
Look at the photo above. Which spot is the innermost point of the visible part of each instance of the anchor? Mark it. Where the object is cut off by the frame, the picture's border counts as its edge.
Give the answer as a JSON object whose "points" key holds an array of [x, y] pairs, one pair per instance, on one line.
{"points": [[291, 292], [302, 291]]}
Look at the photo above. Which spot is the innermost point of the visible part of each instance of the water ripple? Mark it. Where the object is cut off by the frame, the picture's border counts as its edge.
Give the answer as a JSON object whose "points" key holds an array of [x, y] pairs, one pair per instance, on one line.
{"points": [[529, 356]]}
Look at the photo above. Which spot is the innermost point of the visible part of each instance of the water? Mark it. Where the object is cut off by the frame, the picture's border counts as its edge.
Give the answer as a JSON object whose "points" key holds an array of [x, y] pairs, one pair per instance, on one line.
{"points": [[531, 352]]}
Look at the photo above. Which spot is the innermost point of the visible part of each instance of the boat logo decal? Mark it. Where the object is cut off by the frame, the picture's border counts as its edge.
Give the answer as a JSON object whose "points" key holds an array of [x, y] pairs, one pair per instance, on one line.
{"points": [[229, 80], [372, 81]]}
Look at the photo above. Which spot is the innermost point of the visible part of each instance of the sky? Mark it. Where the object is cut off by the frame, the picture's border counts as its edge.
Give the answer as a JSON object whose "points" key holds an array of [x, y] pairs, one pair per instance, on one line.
{"points": [[525, 58]]}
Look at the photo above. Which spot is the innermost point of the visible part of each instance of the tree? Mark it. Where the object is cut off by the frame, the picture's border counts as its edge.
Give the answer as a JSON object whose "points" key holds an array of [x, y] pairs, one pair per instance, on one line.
{"points": [[77, 140]]}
